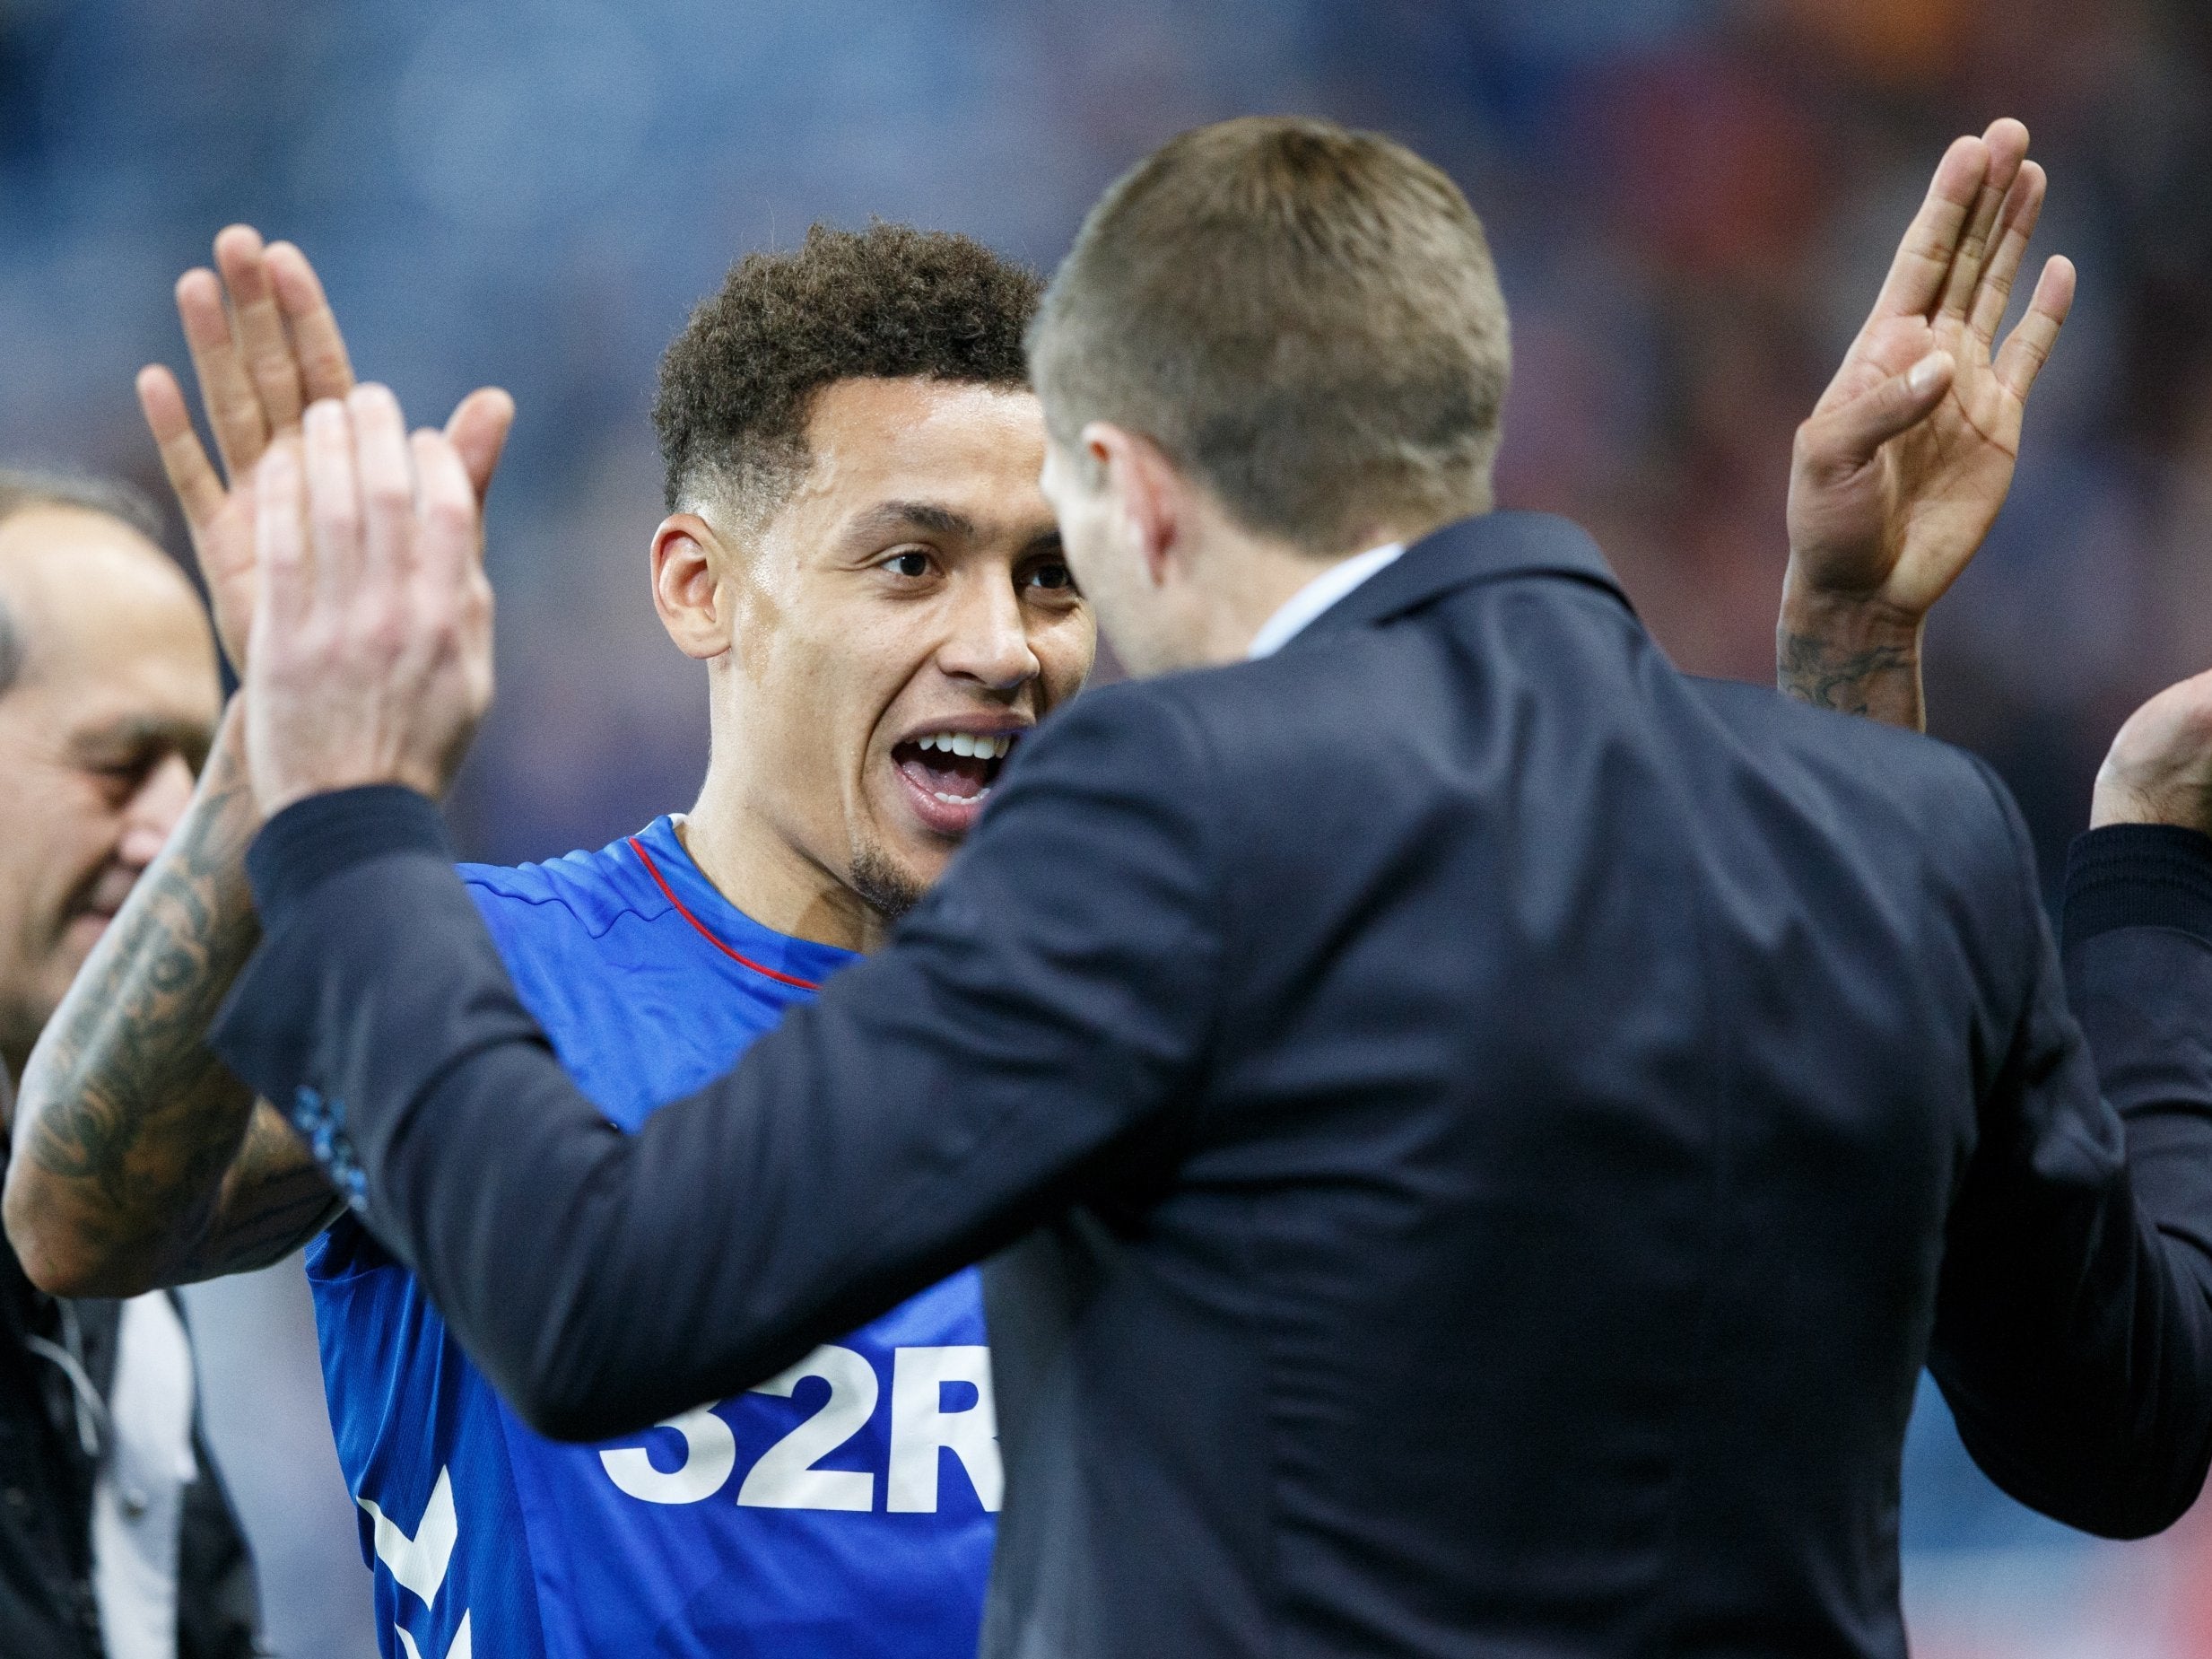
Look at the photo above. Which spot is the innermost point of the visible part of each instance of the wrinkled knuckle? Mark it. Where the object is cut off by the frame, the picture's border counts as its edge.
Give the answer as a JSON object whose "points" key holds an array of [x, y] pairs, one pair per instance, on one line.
{"points": [[386, 637], [389, 497], [338, 520], [448, 516], [1815, 445]]}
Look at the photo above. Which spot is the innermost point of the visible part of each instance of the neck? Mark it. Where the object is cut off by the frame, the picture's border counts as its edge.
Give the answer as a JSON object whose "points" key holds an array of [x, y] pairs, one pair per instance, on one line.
{"points": [[1248, 578], [755, 866]]}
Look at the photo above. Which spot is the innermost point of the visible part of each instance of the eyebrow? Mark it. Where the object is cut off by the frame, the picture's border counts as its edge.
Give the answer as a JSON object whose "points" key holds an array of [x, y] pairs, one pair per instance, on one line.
{"points": [[136, 735], [919, 515]]}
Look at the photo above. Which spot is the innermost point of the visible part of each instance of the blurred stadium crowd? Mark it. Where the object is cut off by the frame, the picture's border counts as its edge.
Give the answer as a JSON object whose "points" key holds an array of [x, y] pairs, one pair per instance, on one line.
{"points": [[1692, 201]]}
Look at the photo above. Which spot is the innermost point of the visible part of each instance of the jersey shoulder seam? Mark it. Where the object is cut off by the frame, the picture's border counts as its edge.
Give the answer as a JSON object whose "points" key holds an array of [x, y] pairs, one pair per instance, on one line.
{"points": [[627, 907]]}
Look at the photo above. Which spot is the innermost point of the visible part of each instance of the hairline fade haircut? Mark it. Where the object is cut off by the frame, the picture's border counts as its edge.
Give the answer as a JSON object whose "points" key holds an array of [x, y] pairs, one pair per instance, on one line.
{"points": [[890, 302], [24, 489], [1304, 318]]}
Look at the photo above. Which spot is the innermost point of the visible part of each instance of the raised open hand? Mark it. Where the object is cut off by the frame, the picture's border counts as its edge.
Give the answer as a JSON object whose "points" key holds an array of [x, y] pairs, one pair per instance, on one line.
{"points": [[261, 358], [371, 656], [1905, 460]]}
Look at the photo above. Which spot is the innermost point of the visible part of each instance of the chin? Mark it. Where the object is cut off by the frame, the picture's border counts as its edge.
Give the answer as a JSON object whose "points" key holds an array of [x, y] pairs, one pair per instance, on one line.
{"points": [[890, 886]]}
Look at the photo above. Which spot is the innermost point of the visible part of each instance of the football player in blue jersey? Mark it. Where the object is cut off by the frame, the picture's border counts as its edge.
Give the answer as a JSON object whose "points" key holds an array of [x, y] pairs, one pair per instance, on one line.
{"points": [[857, 547]]}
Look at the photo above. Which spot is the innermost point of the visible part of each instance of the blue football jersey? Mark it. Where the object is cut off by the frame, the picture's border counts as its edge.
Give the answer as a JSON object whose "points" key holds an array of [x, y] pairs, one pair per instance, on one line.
{"points": [[842, 1508]]}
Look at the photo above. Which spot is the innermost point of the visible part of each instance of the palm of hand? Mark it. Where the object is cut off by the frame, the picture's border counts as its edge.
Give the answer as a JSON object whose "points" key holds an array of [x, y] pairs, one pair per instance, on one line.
{"points": [[224, 546], [264, 346], [1932, 492]]}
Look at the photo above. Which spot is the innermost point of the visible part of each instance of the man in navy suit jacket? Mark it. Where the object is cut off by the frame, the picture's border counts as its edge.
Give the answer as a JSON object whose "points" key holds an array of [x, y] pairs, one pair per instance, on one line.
{"points": [[1475, 1132]]}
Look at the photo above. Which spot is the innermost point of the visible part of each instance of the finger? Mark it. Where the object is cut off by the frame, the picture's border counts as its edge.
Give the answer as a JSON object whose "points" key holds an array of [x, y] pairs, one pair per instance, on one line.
{"points": [[1924, 257], [1846, 438], [325, 369], [334, 509], [2007, 141], [2024, 206], [478, 430], [452, 550], [2029, 347], [199, 492], [454, 596], [234, 411], [387, 487], [280, 548], [267, 348]]}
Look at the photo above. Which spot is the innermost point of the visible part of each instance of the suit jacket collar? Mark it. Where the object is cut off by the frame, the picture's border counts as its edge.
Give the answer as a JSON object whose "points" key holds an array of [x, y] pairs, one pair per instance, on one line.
{"points": [[1492, 547]]}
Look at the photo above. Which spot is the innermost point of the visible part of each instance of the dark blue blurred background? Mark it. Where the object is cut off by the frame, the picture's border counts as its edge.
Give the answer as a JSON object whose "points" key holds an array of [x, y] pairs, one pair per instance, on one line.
{"points": [[1692, 201]]}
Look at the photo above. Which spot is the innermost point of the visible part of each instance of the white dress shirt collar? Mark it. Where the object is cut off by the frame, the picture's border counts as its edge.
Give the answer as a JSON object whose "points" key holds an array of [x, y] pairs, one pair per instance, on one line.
{"points": [[1316, 596]]}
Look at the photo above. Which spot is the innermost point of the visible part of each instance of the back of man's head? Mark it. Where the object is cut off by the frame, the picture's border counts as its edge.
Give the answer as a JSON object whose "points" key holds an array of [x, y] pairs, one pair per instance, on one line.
{"points": [[888, 302], [1304, 319]]}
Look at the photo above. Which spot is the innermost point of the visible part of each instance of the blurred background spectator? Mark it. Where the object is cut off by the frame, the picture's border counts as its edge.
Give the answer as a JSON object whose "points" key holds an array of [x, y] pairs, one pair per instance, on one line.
{"points": [[1691, 200]]}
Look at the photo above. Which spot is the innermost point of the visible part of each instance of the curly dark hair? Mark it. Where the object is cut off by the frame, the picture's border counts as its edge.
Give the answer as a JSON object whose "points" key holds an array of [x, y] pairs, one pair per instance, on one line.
{"points": [[890, 301]]}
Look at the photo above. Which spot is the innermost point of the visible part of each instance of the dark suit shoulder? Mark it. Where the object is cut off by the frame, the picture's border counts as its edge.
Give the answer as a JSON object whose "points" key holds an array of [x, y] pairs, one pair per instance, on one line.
{"points": [[1768, 714], [1954, 792]]}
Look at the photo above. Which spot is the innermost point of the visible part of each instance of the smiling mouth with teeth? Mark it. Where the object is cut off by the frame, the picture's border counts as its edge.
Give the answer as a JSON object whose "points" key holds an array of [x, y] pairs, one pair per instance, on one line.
{"points": [[957, 768]]}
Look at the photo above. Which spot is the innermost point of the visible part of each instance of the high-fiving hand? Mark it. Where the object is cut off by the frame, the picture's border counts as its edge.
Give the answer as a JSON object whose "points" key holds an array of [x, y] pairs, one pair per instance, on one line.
{"points": [[2159, 769], [1908, 454], [260, 361], [370, 656]]}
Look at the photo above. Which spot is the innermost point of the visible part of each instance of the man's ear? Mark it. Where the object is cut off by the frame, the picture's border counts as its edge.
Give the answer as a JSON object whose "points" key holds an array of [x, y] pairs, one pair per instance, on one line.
{"points": [[686, 591], [1145, 489]]}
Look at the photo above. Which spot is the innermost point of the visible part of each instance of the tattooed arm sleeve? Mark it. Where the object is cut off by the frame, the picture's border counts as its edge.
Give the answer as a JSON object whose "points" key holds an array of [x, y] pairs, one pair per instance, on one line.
{"points": [[138, 1159]]}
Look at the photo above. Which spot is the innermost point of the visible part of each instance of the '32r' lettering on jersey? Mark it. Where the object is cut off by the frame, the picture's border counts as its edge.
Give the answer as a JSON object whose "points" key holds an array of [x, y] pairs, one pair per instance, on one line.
{"points": [[845, 1507], [793, 1472]]}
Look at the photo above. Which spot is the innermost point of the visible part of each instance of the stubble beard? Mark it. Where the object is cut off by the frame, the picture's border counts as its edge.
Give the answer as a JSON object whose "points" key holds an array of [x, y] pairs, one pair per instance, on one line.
{"points": [[884, 886]]}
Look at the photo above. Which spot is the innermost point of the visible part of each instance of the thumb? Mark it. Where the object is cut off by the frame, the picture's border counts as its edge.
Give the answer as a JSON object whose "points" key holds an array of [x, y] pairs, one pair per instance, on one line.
{"points": [[1846, 438], [478, 430]]}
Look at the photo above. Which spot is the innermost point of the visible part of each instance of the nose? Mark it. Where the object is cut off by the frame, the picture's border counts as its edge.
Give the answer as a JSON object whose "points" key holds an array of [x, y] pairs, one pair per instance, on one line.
{"points": [[989, 640], [154, 811]]}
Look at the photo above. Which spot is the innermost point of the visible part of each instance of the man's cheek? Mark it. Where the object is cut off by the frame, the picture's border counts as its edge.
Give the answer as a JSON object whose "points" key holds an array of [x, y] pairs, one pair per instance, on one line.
{"points": [[1081, 655], [28, 915]]}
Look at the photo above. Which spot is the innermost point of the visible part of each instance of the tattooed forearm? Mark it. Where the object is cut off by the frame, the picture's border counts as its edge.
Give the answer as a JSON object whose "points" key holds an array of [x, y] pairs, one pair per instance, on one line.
{"points": [[274, 1198], [1882, 682], [130, 1139]]}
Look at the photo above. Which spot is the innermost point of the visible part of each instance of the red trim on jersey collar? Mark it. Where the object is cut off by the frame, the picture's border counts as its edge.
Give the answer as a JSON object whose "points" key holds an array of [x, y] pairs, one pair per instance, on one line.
{"points": [[707, 933]]}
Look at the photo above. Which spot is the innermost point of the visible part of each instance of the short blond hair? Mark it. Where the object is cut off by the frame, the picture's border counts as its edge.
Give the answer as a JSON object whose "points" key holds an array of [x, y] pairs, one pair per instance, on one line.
{"points": [[1306, 319]]}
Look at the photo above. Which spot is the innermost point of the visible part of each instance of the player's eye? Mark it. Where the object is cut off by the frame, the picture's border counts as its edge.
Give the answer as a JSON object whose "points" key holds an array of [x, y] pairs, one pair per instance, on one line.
{"points": [[1051, 575], [913, 564], [123, 777]]}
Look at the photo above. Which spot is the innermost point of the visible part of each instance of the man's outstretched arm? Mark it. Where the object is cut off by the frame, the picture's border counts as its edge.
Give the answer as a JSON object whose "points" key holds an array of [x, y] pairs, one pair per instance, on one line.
{"points": [[1022, 1042], [2073, 1333], [2074, 1329], [138, 1159], [1905, 462]]}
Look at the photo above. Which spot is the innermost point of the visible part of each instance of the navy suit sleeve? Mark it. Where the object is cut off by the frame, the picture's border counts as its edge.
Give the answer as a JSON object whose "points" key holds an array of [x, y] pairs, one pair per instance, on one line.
{"points": [[2073, 1326], [1020, 1040]]}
